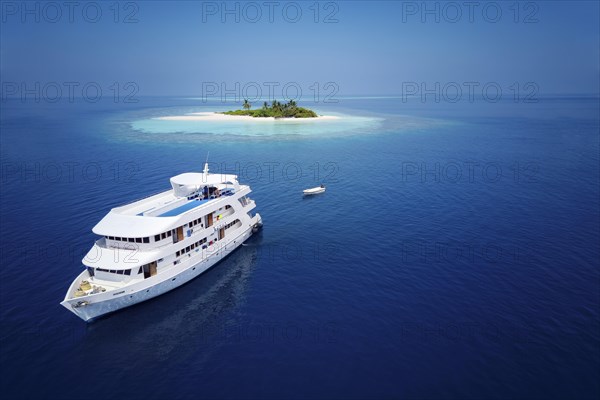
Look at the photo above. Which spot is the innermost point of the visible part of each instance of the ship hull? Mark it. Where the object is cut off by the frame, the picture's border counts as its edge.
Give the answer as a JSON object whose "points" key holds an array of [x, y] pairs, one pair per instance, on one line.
{"points": [[91, 307]]}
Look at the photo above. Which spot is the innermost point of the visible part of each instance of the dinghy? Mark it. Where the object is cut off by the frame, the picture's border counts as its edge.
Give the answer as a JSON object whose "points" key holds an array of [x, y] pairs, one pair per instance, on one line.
{"points": [[315, 190]]}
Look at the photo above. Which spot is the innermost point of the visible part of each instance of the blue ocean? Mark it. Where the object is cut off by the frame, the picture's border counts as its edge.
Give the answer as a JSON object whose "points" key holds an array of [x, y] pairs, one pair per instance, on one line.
{"points": [[455, 253]]}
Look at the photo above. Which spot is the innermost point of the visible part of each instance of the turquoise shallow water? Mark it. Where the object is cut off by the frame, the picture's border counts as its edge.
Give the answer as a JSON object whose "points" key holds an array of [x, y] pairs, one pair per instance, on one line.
{"points": [[146, 124], [345, 124]]}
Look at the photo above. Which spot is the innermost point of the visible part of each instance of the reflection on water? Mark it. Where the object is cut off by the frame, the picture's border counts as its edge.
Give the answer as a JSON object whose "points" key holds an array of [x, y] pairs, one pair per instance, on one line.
{"points": [[191, 313]]}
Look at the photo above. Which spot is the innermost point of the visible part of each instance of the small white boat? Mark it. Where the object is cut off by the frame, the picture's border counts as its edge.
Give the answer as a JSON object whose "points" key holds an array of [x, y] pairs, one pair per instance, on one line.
{"points": [[315, 190]]}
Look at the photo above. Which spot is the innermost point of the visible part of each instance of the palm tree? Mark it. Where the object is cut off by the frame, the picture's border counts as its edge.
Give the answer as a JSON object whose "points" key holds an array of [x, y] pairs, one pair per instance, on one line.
{"points": [[246, 104], [265, 105], [292, 103]]}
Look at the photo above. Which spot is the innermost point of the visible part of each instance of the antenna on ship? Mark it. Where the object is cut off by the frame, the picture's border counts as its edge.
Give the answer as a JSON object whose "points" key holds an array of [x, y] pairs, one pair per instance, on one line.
{"points": [[206, 165]]}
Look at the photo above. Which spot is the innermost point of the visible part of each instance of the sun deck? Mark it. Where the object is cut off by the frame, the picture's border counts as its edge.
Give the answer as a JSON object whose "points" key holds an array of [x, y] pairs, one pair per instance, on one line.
{"points": [[160, 212]]}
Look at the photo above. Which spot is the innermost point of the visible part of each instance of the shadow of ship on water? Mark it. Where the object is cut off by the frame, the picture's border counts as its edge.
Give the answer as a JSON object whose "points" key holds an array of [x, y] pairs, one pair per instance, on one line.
{"points": [[197, 313]]}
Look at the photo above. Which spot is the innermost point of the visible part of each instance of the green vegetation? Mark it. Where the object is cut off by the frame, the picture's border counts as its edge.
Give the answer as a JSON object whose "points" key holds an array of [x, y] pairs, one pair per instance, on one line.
{"points": [[276, 110]]}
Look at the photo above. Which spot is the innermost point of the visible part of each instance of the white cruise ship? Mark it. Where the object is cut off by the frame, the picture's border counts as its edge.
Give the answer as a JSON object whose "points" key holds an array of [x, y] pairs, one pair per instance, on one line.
{"points": [[161, 242]]}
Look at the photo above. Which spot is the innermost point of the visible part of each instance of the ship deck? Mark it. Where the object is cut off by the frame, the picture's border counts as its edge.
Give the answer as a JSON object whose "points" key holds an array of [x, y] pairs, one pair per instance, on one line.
{"points": [[186, 207]]}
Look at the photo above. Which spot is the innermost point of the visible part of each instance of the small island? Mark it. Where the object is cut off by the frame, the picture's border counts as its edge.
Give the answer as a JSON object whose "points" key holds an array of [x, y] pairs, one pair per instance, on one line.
{"points": [[275, 110]]}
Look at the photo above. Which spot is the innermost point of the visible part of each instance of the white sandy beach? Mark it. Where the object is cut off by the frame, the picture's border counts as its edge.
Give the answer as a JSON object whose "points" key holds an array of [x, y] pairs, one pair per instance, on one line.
{"points": [[213, 116]]}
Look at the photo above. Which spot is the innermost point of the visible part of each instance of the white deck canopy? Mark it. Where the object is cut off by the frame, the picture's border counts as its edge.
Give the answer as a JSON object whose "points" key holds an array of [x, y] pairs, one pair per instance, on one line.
{"points": [[184, 184], [132, 226]]}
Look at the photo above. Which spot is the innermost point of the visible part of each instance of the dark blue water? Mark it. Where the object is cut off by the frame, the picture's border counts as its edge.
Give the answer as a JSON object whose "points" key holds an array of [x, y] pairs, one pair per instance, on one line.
{"points": [[454, 256]]}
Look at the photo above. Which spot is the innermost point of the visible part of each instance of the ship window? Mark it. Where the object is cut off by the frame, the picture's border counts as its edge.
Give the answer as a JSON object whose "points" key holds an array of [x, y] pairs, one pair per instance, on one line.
{"points": [[187, 249], [177, 254], [140, 270], [156, 238], [120, 272], [127, 272], [162, 235], [132, 240], [90, 271], [138, 240], [169, 233], [146, 240]]}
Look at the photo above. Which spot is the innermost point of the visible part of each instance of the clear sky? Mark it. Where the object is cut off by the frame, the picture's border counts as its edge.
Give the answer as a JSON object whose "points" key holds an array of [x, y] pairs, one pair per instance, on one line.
{"points": [[366, 48]]}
